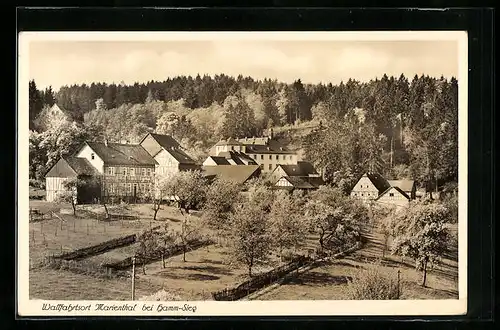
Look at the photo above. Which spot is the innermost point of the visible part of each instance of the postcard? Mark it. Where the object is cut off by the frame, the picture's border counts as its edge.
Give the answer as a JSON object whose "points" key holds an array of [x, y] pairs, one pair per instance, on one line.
{"points": [[242, 173]]}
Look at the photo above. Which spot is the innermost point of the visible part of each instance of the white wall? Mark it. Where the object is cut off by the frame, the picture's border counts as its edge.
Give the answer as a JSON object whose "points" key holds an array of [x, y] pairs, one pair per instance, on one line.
{"points": [[364, 189], [397, 199], [53, 185], [209, 162], [166, 163], [97, 162]]}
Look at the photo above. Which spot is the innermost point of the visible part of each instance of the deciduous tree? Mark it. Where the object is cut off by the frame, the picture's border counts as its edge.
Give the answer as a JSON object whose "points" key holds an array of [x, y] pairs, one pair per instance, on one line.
{"points": [[421, 234]]}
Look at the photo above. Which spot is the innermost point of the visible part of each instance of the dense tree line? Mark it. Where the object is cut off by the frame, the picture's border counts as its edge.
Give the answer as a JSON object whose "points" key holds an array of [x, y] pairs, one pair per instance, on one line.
{"points": [[393, 125]]}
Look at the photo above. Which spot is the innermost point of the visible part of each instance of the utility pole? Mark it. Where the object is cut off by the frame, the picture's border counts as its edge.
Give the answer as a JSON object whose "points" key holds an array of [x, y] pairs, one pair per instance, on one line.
{"points": [[399, 283], [133, 278], [392, 151]]}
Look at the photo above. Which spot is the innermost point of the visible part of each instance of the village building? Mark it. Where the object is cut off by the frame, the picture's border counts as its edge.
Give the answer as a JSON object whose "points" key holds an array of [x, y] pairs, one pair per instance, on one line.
{"points": [[302, 175], [168, 153], [265, 151], [238, 174], [124, 171], [69, 168], [372, 187], [52, 117], [393, 197], [229, 158], [369, 187], [408, 186]]}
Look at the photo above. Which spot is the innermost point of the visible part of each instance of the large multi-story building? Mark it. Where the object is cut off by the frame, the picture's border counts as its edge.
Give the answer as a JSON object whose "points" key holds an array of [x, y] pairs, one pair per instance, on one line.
{"points": [[266, 152], [124, 171]]}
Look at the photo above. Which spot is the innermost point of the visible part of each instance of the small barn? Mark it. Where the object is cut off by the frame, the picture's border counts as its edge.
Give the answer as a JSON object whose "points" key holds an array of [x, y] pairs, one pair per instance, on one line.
{"points": [[69, 168], [408, 186], [393, 197]]}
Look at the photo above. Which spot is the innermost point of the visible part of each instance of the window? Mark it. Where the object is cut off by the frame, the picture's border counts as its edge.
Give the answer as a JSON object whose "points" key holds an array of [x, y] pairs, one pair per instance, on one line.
{"points": [[143, 171], [232, 148], [129, 187], [92, 155], [109, 170], [132, 171], [270, 166], [270, 157], [277, 157], [391, 194], [361, 194], [124, 170], [261, 157], [149, 171]]}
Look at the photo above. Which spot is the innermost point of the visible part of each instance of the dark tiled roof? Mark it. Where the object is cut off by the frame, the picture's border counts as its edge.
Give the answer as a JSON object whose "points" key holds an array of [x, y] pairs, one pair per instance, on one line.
{"points": [[397, 188], [300, 183], [304, 182], [220, 160], [173, 147], [228, 142], [235, 173], [239, 158], [254, 140], [181, 156], [81, 166], [272, 148], [122, 154], [405, 185], [301, 169], [378, 181], [166, 141]]}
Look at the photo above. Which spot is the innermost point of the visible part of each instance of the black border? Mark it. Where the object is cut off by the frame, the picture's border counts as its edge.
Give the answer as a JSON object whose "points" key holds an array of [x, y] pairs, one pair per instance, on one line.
{"points": [[479, 24]]}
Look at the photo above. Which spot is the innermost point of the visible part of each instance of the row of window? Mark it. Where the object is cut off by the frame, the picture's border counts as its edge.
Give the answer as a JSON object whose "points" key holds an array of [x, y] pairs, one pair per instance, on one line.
{"points": [[277, 157], [129, 171], [270, 167], [129, 188], [370, 194]]}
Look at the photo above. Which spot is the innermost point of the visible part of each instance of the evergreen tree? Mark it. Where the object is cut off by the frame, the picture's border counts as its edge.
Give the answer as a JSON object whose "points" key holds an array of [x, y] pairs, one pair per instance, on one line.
{"points": [[35, 103]]}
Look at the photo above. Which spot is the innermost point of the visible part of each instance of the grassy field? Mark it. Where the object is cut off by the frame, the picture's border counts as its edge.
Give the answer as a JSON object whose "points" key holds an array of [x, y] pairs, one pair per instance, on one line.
{"points": [[206, 269], [53, 236], [329, 281], [64, 285]]}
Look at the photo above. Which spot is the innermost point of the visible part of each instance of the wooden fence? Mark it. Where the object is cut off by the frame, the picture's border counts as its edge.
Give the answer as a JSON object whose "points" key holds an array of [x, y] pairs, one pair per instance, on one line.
{"points": [[98, 249], [260, 281], [157, 255]]}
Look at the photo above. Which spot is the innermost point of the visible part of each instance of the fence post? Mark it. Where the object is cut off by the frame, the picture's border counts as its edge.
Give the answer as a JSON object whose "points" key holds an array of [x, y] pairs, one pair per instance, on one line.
{"points": [[399, 281], [133, 278]]}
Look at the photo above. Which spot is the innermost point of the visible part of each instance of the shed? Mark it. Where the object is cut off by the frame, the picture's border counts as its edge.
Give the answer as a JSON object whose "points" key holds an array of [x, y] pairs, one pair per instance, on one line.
{"points": [[67, 168]]}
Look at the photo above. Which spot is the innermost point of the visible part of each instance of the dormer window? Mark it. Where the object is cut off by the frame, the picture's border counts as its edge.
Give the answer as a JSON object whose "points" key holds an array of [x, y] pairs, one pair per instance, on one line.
{"points": [[92, 155]]}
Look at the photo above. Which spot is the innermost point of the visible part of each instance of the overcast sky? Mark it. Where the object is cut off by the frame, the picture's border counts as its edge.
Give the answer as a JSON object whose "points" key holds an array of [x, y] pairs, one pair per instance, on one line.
{"points": [[58, 63]]}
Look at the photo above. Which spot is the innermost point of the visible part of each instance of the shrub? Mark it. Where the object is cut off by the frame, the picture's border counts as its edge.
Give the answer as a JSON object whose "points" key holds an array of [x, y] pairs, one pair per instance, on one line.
{"points": [[161, 295], [372, 284], [37, 183]]}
